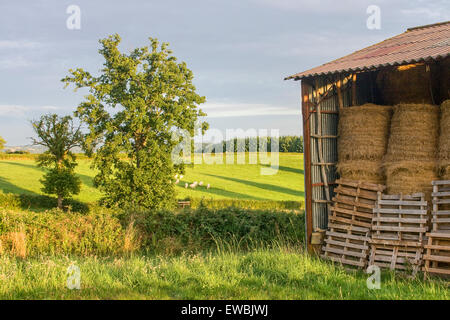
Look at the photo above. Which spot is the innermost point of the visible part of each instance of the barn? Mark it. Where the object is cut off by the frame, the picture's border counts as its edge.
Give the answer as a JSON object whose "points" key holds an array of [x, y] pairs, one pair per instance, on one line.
{"points": [[412, 67]]}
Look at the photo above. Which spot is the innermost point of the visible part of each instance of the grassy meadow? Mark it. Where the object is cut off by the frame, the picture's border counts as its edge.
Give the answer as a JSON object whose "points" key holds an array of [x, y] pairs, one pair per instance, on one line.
{"points": [[228, 181], [203, 253], [282, 273]]}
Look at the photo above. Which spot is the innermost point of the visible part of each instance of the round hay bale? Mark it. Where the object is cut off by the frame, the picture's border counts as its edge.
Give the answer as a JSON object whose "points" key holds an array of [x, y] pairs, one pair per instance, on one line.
{"points": [[444, 139], [409, 177], [363, 132], [414, 133], [362, 170], [444, 170]]}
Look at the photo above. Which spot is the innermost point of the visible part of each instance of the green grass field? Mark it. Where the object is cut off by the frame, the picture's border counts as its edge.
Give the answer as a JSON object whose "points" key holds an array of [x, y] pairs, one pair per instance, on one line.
{"points": [[262, 274], [279, 271], [228, 181]]}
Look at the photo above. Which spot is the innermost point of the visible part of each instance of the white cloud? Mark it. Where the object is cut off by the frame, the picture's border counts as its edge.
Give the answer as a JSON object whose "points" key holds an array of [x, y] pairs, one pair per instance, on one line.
{"points": [[21, 111], [14, 62], [436, 14], [224, 110], [18, 44], [317, 6]]}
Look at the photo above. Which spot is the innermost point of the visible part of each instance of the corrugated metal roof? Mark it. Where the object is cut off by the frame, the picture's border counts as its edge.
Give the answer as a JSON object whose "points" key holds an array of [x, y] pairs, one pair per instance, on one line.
{"points": [[415, 45]]}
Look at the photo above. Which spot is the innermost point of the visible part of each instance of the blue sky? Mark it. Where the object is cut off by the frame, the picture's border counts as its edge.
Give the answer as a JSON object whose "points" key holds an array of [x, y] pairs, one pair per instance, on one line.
{"points": [[239, 51]]}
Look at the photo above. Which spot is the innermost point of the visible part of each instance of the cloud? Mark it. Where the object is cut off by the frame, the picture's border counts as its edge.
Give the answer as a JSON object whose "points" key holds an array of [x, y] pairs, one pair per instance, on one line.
{"points": [[435, 13], [18, 111], [14, 62], [225, 110], [19, 44], [316, 6]]}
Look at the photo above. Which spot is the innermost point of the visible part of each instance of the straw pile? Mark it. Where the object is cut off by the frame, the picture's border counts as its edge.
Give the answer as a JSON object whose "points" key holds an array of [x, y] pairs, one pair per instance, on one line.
{"points": [[444, 141], [410, 162], [363, 135]]}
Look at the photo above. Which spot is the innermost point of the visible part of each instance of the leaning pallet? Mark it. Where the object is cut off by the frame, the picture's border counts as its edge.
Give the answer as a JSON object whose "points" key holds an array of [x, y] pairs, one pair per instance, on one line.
{"points": [[437, 256], [349, 222], [400, 217], [441, 206], [399, 226], [396, 255]]}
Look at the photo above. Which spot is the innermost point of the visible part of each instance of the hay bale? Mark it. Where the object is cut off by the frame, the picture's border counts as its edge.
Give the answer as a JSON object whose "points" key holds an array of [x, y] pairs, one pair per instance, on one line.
{"points": [[363, 135], [444, 170], [409, 177], [444, 139], [363, 132], [414, 133], [406, 84], [362, 170]]}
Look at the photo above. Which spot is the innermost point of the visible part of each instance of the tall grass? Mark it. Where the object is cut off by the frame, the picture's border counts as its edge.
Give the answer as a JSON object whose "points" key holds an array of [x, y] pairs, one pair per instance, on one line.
{"points": [[281, 273]]}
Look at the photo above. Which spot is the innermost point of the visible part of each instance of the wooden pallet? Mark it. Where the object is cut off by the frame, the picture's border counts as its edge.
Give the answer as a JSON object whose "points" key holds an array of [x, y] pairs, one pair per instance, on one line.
{"points": [[396, 255], [353, 203], [437, 254], [349, 223], [441, 206], [400, 218], [348, 247]]}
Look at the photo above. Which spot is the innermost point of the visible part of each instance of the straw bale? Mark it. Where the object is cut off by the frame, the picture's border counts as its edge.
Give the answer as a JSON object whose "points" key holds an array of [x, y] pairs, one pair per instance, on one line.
{"points": [[444, 170], [362, 170], [414, 133], [444, 139], [410, 177], [363, 132]]}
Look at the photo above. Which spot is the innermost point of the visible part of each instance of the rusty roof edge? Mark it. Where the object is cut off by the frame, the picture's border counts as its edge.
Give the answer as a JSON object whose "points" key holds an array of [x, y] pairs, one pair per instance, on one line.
{"points": [[428, 26], [297, 77]]}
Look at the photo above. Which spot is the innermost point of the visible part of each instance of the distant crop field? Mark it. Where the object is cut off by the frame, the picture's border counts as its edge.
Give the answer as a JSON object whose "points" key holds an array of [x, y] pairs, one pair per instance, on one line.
{"points": [[227, 181]]}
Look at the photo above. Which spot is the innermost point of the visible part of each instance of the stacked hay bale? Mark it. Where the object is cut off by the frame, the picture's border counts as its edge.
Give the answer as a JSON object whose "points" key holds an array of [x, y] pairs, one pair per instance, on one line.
{"points": [[410, 162], [444, 141], [362, 143]]}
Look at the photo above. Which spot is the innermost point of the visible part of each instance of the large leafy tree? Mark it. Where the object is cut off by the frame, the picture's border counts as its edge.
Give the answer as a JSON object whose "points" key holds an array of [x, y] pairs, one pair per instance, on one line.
{"points": [[59, 136], [132, 109], [2, 143]]}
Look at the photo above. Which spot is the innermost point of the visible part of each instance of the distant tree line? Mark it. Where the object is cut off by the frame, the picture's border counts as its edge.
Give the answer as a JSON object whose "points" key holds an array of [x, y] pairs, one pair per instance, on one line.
{"points": [[252, 144]]}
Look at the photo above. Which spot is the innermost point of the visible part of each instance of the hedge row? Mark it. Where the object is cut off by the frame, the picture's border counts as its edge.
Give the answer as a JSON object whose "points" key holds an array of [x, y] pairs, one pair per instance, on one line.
{"points": [[104, 232]]}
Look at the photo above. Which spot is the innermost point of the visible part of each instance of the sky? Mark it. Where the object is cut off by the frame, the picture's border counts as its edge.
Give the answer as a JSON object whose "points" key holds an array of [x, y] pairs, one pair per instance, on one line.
{"points": [[238, 50]]}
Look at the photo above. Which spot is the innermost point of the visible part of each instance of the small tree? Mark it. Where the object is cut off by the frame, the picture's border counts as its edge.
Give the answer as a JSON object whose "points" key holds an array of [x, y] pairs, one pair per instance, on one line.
{"points": [[59, 136], [2, 143], [151, 95]]}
